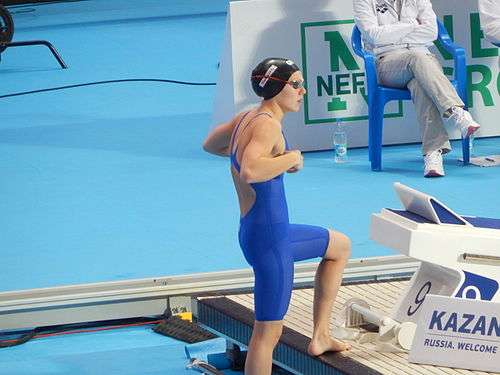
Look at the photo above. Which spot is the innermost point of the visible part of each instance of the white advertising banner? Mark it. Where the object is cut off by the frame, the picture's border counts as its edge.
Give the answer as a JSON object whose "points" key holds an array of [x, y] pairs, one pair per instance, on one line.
{"points": [[456, 332], [316, 35]]}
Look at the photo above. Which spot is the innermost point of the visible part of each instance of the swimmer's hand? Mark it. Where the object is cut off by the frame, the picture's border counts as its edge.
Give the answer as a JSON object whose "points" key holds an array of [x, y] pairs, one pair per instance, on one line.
{"points": [[299, 163]]}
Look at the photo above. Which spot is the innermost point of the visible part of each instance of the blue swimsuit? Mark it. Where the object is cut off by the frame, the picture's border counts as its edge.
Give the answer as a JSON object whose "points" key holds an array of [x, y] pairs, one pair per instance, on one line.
{"points": [[271, 244]]}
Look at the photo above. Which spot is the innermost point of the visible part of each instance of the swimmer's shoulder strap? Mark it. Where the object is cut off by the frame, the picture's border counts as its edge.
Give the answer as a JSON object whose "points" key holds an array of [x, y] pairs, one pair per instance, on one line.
{"points": [[235, 130], [246, 126]]}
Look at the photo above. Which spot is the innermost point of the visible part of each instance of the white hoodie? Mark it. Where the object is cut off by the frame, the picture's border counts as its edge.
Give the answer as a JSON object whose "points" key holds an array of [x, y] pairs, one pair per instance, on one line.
{"points": [[489, 11], [384, 29]]}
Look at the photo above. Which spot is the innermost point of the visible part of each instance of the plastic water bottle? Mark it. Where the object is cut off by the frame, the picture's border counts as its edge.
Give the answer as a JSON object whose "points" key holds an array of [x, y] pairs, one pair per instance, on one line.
{"points": [[340, 143]]}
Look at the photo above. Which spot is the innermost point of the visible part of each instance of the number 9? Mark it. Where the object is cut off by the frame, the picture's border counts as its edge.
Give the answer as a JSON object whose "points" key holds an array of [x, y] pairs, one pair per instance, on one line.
{"points": [[420, 297]]}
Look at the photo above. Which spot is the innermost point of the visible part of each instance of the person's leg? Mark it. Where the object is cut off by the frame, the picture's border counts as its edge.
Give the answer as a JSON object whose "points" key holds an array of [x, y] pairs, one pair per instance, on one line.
{"points": [[434, 135], [307, 242], [273, 270], [429, 73], [393, 70], [397, 69], [432, 95], [408, 69], [327, 283], [264, 338], [435, 140]]}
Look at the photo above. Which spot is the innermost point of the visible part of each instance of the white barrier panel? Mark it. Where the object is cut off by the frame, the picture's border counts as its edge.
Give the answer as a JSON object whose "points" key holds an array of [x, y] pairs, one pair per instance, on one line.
{"points": [[457, 332], [316, 35]]}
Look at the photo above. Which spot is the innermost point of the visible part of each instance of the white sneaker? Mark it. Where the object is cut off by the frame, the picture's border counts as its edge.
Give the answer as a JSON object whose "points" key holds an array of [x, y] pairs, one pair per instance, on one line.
{"points": [[463, 120], [433, 164]]}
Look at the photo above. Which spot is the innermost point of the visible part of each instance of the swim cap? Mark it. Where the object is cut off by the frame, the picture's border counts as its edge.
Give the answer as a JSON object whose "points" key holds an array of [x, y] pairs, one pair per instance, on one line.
{"points": [[270, 76]]}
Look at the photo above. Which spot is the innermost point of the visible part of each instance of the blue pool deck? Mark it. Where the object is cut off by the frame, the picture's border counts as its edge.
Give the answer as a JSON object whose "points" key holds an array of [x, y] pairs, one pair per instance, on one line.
{"points": [[109, 182]]}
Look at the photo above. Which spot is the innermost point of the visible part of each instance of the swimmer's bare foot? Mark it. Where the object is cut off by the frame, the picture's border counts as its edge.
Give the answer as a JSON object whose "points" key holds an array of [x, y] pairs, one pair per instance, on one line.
{"points": [[325, 343]]}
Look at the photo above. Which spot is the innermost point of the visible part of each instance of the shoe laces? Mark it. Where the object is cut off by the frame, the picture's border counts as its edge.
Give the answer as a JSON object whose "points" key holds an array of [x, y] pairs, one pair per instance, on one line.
{"points": [[462, 117], [458, 114], [433, 158]]}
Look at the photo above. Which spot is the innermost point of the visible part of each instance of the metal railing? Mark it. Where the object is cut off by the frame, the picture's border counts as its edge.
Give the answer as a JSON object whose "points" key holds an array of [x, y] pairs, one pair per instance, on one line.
{"points": [[152, 296]]}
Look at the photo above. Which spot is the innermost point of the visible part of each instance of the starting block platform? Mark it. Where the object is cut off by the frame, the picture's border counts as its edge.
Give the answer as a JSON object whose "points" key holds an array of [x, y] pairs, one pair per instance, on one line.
{"points": [[231, 316]]}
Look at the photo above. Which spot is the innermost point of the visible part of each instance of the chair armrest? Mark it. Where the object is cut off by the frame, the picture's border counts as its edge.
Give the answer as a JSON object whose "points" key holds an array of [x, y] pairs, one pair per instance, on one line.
{"points": [[370, 71], [448, 44], [368, 57]]}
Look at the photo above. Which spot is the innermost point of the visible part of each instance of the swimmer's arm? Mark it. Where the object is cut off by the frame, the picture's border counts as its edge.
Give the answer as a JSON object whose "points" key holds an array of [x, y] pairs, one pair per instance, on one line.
{"points": [[218, 140], [257, 162]]}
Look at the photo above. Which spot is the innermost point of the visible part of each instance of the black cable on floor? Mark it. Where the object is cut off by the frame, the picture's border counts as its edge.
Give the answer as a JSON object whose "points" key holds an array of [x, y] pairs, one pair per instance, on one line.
{"points": [[7, 339], [109, 81], [18, 341], [21, 4]]}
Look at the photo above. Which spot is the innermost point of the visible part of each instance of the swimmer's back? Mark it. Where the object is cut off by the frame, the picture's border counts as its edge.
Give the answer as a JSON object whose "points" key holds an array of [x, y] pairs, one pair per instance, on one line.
{"points": [[255, 127]]}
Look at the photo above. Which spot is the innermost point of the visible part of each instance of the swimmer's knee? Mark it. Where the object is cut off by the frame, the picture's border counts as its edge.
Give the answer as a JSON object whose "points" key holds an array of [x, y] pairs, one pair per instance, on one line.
{"points": [[339, 246], [345, 247], [267, 331]]}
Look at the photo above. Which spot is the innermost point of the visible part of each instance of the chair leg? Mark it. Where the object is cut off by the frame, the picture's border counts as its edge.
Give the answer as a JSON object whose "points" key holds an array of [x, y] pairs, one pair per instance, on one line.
{"points": [[375, 124], [370, 138], [466, 150], [371, 130]]}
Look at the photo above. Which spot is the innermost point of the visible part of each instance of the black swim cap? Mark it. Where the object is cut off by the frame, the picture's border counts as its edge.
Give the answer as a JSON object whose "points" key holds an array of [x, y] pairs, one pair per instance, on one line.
{"points": [[270, 76]]}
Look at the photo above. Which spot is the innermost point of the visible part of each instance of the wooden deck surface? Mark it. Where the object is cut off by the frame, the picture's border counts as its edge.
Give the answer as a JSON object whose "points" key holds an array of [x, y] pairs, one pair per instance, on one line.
{"points": [[381, 296]]}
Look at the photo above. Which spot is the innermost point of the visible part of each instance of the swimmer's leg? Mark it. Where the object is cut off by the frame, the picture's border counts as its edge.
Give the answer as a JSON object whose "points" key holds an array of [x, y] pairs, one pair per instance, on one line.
{"points": [[327, 283], [265, 336], [273, 269]]}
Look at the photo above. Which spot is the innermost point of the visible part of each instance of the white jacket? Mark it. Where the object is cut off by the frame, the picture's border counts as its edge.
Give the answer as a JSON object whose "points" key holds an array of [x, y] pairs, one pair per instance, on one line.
{"points": [[489, 11], [384, 29]]}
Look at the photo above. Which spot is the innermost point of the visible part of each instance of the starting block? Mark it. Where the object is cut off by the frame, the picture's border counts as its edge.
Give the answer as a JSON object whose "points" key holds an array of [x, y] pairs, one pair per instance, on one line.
{"points": [[459, 274], [459, 254]]}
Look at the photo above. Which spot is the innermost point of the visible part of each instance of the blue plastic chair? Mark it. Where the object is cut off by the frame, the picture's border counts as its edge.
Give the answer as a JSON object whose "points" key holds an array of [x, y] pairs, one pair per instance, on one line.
{"points": [[379, 96]]}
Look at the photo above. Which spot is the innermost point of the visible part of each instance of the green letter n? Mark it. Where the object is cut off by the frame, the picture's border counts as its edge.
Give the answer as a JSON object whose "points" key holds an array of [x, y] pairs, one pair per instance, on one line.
{"points": [[339, 51]]}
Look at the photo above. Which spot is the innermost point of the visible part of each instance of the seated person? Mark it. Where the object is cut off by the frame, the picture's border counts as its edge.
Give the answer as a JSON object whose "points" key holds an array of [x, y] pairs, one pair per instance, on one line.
{"points": [[489, 11], [398, 33]]}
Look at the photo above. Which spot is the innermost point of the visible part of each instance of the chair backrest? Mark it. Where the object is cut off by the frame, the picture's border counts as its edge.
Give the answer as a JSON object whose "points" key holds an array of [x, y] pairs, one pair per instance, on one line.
{"points": [[357, 46]]}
